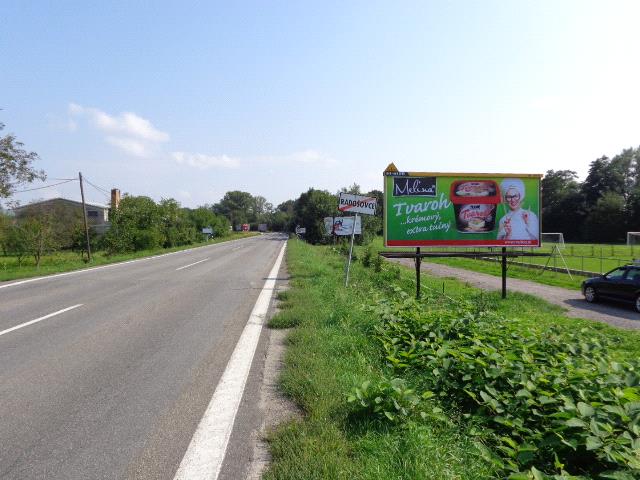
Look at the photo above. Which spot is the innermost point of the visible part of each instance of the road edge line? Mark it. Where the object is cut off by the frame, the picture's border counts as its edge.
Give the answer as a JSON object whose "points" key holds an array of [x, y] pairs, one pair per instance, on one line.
{"points": [[206, 452]]}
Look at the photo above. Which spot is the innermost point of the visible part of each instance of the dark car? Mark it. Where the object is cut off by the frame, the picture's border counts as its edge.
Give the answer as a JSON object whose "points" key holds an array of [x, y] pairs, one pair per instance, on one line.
{"points": [[621, 284]]}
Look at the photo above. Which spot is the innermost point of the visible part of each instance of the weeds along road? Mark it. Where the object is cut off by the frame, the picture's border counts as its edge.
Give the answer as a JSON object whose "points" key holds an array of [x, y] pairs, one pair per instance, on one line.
{"points": [[572, 300], [107, 373]]}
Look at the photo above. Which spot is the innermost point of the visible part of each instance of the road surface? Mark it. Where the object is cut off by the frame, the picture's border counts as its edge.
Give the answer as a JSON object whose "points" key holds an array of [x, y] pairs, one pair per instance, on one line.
{"points": [[107, 373]]}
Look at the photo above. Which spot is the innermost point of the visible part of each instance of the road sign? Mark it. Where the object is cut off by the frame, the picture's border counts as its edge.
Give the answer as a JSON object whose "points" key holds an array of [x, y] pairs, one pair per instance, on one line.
{"points": [[357, 204], [301, 230], [342, 225], [208, 230]]}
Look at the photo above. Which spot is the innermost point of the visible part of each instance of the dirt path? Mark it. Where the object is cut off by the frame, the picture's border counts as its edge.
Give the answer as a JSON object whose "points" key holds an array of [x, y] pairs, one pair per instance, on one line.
{"points": [[572, 300]]}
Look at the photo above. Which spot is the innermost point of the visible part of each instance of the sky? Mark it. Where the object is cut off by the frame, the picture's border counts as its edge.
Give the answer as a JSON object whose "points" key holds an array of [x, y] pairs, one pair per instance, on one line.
{"points": [[189, 100]]}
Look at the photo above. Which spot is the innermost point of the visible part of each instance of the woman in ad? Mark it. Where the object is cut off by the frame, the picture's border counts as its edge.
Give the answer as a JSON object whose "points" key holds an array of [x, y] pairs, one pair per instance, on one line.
{"points": [[518, 223]]}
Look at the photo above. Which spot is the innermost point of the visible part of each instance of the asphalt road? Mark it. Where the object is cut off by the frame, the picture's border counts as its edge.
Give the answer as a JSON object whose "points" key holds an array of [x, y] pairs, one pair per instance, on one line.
{"points": [[116, 387]]}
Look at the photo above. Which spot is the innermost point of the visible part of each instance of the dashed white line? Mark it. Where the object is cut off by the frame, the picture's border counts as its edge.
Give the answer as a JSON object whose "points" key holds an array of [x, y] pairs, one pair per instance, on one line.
{"points": [[192, 264], [208, 446], [31, 322], [119, 264]]}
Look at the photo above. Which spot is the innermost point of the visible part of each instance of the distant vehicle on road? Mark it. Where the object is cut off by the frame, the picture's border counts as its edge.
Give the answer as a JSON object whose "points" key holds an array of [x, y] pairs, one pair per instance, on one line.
{"points": [[621, 284]]}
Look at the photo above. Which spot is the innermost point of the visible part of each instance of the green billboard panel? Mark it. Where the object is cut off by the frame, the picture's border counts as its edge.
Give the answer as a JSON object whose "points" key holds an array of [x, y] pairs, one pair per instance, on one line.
{"points": [[461, 209]]}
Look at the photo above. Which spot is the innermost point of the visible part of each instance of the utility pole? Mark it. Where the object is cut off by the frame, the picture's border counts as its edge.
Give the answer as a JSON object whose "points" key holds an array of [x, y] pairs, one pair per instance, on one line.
{"points": [[84, 216]]}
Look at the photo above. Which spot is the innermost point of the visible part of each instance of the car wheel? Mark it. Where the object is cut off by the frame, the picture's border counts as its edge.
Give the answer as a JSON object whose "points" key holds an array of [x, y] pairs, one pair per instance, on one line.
{"points": [[591, 296], [638, 303]]}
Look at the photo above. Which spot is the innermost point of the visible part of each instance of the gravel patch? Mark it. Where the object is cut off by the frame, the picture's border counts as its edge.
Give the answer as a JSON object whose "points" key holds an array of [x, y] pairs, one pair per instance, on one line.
{"points": [[571, 300]]}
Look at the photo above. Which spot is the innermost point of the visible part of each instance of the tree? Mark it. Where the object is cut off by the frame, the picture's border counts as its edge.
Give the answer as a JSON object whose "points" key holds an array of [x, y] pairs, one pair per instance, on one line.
{"points": [[14, 243], [281, 219], [202, 217], [5, 226], [175, 225], [309, 212], [38, 235], [135, 225], [606, 221], [562, 200], [16, 165], [237, 206]]}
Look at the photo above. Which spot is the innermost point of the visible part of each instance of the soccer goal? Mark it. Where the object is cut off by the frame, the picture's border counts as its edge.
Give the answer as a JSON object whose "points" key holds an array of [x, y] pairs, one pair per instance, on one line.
{"points": [[553, 238], [633, 238]]}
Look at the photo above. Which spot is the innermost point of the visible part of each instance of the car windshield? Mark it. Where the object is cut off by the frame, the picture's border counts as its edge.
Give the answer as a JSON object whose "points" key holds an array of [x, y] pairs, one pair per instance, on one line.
{"points": [[617, 273]]}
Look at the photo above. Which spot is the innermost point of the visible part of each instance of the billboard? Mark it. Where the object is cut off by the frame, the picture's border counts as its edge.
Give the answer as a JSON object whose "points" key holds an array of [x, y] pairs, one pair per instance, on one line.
{"points": [[342, 225], [357, 204], [461, 209]]}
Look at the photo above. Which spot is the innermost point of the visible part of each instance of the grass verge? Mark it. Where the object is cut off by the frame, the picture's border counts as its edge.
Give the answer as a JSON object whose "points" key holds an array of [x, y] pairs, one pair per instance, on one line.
{"points": [[335, 347], [67, 261], [556, 279], [329, 352]]}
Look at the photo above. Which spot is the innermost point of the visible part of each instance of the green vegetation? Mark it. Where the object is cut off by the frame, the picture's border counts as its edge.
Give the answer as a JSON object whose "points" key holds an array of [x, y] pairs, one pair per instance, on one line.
{"points": [[16, 165], [457, 386], [12, 268], [600, 209], [577, 256]]}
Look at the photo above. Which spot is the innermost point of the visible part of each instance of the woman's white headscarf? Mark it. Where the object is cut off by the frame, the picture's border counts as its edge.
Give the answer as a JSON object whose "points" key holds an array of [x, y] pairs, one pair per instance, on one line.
{"points": [[512, 184]]}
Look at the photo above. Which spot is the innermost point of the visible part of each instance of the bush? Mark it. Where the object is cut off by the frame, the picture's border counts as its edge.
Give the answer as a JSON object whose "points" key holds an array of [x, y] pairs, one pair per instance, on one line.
{"points": [[552, 401], [367, 257]]}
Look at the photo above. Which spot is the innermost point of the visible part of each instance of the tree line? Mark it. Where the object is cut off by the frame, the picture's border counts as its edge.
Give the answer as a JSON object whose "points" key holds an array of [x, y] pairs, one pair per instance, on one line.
{"points": [[602, 208], [139, 223]]}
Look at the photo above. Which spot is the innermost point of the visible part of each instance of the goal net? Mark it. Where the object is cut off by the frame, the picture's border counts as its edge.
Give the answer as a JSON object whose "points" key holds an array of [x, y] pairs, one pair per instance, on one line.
{"points": [[552, 238], [633, 238]]}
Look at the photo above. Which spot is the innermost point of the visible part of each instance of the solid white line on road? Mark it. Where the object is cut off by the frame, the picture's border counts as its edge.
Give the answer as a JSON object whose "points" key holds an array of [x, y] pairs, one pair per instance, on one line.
{"points": [[192, 264], [26, 324], [208, 446], [111, 265]]}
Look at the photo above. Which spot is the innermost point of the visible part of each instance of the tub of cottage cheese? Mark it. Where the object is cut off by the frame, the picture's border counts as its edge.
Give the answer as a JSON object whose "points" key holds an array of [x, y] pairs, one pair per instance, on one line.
{"points": [[475, 203]]}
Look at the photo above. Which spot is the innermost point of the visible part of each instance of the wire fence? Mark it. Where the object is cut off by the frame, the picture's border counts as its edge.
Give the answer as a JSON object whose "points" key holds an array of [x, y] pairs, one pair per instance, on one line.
{"points": [[579, 259]]}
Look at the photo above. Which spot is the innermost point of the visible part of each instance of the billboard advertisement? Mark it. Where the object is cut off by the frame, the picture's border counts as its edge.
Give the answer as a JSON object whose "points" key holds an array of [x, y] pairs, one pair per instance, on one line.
{"points": [[461, 209], [342, 225]]}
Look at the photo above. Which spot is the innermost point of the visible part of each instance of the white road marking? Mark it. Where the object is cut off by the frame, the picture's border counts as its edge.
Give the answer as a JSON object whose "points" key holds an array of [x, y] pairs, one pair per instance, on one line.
{"points": [[111, 265], [208, 446], [192, 264], [26, 324]]}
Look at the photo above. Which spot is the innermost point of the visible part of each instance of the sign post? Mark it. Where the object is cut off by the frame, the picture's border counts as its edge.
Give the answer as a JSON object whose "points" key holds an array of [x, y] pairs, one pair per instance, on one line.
{"points": [[356, 204]]}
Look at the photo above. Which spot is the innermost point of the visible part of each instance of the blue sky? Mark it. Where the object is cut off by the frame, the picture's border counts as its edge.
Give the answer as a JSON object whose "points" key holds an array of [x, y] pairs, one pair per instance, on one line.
{"points": [[192, 99]]}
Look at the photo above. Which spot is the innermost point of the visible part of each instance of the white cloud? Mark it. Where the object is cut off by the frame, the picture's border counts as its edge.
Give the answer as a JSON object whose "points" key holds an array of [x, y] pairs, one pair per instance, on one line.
{"points": [[127, 131], [131, 146], [306, 157], [203, 162]]}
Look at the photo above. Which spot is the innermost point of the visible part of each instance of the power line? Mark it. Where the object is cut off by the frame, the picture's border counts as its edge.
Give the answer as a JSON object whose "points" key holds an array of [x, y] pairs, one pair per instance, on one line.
{"points": [[103, 190], [46, 186]]}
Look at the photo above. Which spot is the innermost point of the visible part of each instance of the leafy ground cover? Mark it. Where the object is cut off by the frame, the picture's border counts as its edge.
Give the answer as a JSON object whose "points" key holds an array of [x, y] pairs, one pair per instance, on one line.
{"points": [[65, 261], [458, 386]]}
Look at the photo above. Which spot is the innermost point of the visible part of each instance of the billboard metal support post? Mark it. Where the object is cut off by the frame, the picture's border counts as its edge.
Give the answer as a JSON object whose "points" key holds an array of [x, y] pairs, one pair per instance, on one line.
{"points": [[504, 272], [418, 261], [353, 234]]}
